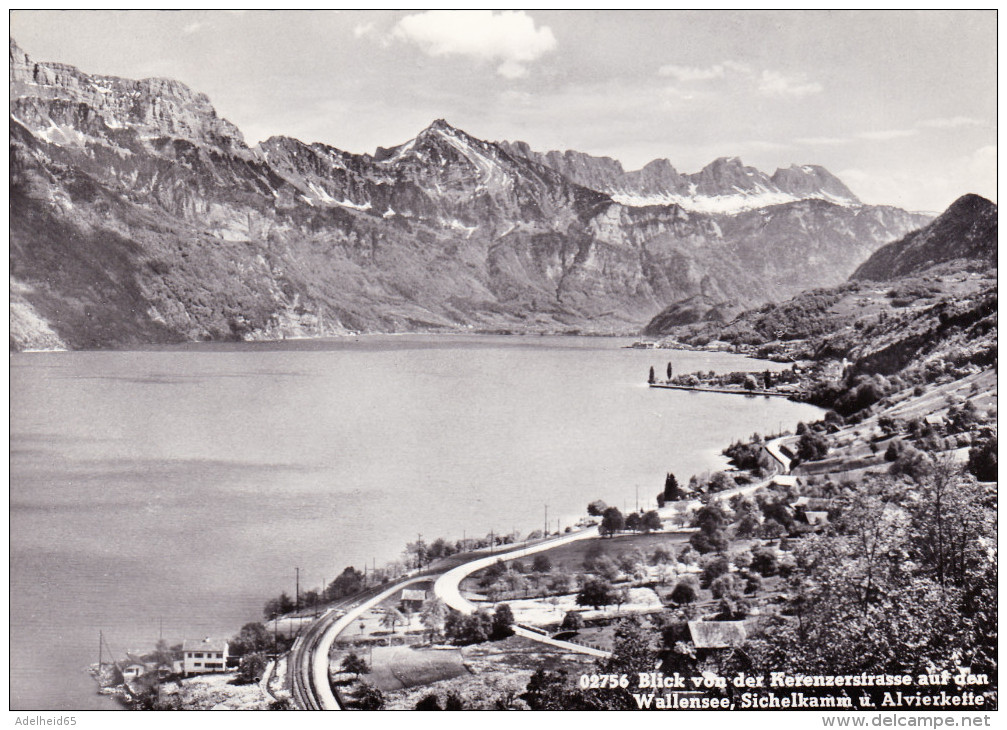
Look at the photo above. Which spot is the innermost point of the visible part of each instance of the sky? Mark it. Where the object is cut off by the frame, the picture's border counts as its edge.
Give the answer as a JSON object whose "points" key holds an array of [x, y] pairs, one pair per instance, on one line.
{"points": [[901, 105]]}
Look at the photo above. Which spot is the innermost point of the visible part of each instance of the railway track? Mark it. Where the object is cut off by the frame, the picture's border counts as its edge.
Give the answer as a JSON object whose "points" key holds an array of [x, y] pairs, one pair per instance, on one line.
{"points": [[308, 661]]}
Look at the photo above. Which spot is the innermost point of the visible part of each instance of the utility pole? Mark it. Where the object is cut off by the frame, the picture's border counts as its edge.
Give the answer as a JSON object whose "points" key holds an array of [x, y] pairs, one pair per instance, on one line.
{"points": [[297, 589], [637, 497], [100, 643]]}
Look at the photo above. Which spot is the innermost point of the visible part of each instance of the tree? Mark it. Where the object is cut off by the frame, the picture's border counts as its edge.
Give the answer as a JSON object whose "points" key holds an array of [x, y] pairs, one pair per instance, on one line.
{"points": [[753, 583], [369, 697], [163, 653], [812, 446], [612, 522], [464, 629], [547, 690], [712, 521], [669, 371], [572, 621], [278, 606], [433, 615], [713, 569], [353, 664], [651, 521], [764, 561], [672, 492], [750, 383], [633, 651], [253, 637], [661, 555], [633, 522], [688, 556], [606, 568], [723, 585], [686, 591], [619, 597], [417, 553], [347, 583], [652, 378], [503, 621], [440, 548], [541, 563], [912, 463], [392, 618], [721, 481], [983, 459], [429, 702], [596, 508], [950, 525], [596, 592], [251, 668]]}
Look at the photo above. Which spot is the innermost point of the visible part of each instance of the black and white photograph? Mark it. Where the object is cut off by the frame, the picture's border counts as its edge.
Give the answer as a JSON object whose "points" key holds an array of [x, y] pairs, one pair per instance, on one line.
{"points": [[508, 359]]}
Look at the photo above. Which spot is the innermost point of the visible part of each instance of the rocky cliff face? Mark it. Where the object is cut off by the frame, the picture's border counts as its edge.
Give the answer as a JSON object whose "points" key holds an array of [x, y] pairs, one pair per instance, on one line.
{"points": [[138, 215], [725, 186]]}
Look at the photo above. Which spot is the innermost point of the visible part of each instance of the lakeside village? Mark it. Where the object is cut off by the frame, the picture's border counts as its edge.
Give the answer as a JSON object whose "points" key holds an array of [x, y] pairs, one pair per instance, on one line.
{"points": [[862, 545]]}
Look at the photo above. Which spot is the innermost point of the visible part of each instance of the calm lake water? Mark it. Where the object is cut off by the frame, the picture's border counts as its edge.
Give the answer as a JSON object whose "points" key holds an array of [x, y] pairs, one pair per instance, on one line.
{"points": [[184, 484]]}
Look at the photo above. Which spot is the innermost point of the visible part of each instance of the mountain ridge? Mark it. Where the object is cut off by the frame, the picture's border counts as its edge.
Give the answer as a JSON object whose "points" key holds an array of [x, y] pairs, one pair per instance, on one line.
{"points": [[725, 185], [934, 311], [966, 232], [208, 238]]}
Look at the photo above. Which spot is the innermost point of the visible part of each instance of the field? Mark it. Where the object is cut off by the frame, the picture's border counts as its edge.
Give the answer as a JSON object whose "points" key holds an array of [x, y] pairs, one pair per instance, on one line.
{"points": [[570, 558], [497, 672], [401, 667]]}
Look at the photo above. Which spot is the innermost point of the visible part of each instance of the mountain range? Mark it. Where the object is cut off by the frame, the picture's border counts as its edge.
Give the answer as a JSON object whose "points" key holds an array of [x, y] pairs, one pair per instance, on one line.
{"points": [[927, 302], [138, 215]]}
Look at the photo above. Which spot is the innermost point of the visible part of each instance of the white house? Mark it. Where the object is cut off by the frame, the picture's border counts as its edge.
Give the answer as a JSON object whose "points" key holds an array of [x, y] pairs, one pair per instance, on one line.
{"points": [[208, 655], [133, 671]]}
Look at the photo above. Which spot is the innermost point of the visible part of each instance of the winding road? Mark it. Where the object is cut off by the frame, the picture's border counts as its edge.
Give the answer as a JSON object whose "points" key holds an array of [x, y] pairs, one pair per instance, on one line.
{"points": [[308, 662]]}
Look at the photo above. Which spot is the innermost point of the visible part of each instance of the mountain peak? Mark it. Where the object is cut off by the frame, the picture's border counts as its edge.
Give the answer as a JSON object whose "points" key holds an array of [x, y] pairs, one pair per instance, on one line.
{"points": [[439, 126], [811, 180], [966, 233]]}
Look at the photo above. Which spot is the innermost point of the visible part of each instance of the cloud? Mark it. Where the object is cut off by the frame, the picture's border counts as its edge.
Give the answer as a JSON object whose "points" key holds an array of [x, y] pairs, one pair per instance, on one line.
{"points": [[950, 123], [818, 141], [931, 188], [696, 73], [692, 73], [359, 31], [774, 83], [886, 134], [508, 37]]}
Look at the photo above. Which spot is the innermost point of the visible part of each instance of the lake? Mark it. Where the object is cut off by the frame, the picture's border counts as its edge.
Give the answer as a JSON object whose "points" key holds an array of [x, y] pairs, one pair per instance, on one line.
{"points": [[181, 486]]}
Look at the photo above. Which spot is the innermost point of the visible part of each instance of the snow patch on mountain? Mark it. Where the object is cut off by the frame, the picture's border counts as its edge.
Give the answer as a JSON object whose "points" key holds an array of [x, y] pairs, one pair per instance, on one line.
{"points": [[721, 204]]}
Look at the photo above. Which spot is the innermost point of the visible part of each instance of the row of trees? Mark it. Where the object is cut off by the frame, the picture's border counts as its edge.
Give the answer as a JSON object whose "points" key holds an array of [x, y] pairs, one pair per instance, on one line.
{"points": [[613, 521]]}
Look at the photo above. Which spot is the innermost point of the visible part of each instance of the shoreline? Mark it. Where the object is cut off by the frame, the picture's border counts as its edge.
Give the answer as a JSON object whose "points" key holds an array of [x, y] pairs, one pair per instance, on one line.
{"points": [[729, 391], [337, 337], [568, 520]]}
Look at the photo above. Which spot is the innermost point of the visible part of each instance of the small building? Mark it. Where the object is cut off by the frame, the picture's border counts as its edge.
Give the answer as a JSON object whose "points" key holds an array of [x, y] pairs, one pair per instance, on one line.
{"points": [[412, 599], [717, 634], [208, 655], [816, 518], [785, 480], [132, 671]]}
